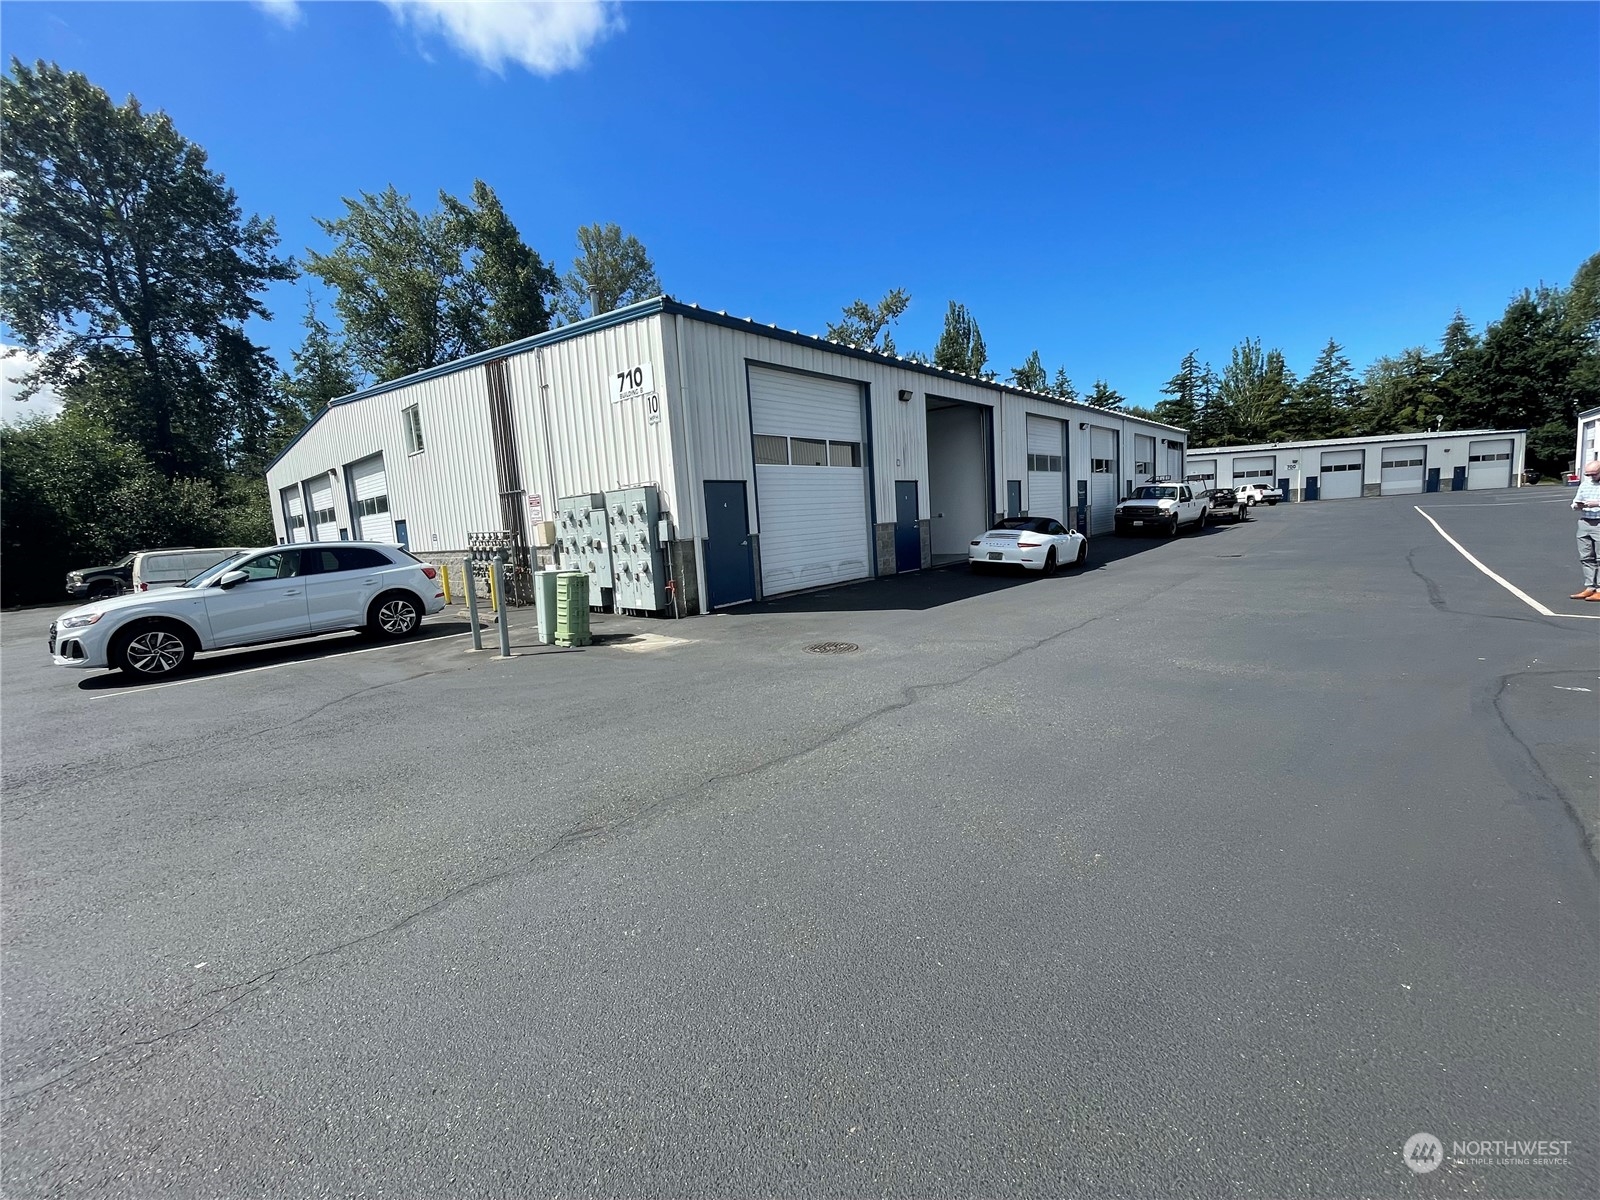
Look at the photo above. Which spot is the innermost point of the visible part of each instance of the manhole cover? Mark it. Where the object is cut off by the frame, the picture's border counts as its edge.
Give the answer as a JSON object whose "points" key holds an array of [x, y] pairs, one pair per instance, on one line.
{"points": [[832, 647]]}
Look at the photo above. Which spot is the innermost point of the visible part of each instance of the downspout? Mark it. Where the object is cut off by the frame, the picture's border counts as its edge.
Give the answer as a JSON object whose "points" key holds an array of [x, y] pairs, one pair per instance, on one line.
{"points": [[697, 491]]}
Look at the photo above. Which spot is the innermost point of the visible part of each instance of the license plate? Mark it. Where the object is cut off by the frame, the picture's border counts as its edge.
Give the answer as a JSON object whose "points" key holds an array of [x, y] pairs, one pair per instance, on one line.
{"points": [[996, 557], [1138, 522]]}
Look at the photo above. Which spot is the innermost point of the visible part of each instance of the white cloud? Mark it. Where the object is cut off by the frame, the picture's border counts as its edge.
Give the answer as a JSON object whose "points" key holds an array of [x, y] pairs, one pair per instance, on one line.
{"points": [[544, 36], [286, 12], [16, 362]]}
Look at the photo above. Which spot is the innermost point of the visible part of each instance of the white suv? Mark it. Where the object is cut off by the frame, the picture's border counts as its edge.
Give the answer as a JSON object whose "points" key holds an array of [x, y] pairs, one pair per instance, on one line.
{"points": [[1258, 493], [259, 596]]}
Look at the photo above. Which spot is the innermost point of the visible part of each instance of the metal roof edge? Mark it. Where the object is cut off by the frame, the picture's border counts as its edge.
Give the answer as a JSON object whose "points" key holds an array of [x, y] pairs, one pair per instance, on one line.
{"points": [[1374, 437]]}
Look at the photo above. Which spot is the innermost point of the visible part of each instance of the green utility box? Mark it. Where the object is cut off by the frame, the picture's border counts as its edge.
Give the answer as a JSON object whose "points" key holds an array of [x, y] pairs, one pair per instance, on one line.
{"points": [[572, 609]]}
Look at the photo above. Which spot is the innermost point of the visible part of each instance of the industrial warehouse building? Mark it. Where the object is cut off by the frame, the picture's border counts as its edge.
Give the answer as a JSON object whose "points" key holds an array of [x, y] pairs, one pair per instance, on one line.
{"points": [[1588, 448], [777, 461], [1396, 465]]}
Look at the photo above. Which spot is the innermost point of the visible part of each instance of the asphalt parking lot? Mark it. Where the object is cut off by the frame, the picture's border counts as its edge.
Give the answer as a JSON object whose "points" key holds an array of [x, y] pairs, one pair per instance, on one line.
{"points": [[1220, 867]]}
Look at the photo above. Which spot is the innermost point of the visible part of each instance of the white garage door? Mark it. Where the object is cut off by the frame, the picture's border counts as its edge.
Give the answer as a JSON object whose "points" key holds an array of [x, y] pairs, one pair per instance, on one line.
{"points": [[1047, 482], [369, 495], [1254, 470], [324, 520], [1489, 464], [1340, 477], [1102, 479], [811, 482], [1175, 463], [1403, 468], [1144, 458], [1203, 471], [294, 514]]}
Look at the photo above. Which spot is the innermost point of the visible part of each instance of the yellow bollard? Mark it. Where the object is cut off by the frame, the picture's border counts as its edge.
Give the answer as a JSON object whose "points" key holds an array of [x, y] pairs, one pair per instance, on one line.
{"points": [[444, 578], [494, 591]]}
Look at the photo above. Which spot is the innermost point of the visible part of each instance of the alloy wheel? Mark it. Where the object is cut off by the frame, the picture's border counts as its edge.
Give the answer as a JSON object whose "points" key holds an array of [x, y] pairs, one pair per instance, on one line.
{"points": [[156, 652], [397, 617]]}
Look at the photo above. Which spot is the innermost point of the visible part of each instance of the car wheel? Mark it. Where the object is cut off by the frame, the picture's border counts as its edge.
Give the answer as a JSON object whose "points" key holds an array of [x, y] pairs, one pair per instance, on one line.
{"points": [[105, 589], [1271, 503], [394, 615], [152, 650], [1172, 530], [1083, 553], [977, 568], [1049, 562]]}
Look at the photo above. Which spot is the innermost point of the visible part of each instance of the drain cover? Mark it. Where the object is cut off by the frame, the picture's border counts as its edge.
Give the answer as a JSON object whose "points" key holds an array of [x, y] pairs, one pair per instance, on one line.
{"points": [[832, 647]]}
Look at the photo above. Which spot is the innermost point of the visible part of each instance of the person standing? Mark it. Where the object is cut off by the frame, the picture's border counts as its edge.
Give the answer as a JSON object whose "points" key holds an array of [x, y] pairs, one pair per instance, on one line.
{"points": [[1587, 504]]}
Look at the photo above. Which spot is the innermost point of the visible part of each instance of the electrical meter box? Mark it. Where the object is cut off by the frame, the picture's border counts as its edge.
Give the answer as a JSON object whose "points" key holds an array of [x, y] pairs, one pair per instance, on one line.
{"points": [[583, 540], [635, 517]]}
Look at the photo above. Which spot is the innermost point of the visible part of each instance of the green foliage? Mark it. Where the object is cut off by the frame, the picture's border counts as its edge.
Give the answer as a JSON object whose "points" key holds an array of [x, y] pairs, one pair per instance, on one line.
{"points": [[518, 286], [1031, 375], [1183, 401], [1104, 396], [611, 266], [1252, 393], [1402, 395], [960, 347], [1062, 386], [1326, 402], [124, 256], [866, 326]]}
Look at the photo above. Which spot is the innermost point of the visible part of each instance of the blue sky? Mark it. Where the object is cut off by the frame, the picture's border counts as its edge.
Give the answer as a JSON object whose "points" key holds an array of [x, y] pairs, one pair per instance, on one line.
{"points": [[1110, 184]]}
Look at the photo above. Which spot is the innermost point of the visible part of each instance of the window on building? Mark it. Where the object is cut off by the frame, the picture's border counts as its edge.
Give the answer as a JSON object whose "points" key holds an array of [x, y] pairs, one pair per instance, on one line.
{"points": [[772, 450], [413, 420], [1144, 469], [808, 452], [844, 454], [1100, 466], [325, 516], [372, 506], [1044, 462]]}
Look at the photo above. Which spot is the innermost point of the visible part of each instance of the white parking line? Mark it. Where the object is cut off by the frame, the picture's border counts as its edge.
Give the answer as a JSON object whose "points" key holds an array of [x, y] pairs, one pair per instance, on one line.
{"points": [[296, 662], [1505, 583]]}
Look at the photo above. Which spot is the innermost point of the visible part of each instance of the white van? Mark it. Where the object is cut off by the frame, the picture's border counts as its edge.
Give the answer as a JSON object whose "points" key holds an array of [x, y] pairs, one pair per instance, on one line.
{"points": [[155, 569]]}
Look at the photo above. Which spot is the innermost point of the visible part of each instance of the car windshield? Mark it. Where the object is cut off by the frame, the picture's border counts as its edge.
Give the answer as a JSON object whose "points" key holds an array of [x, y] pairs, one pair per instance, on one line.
{"points": [[1025, 524], [1156, 493], [125, 561], [212, 571]]}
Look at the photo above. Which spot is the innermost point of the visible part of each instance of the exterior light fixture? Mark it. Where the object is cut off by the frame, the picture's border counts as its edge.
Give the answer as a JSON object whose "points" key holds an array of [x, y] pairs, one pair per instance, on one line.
{"points": [[905, 396]]}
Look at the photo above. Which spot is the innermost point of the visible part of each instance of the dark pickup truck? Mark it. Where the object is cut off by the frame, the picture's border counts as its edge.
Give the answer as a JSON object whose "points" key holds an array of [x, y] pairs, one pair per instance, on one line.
{"points": [[1225, 503], [101, 583]]}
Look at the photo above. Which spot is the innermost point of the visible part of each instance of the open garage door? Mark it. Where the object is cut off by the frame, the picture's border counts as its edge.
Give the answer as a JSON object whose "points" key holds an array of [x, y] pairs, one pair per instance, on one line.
{"points": [[1102, 479], [324, 520], [1254, 470], [1340, 476], [1489, 464], [294, 514], [369, 499], [1403, 470], [1175, 461], [811, 481], [1203, 472], [1047, 481], [1144, 457]]}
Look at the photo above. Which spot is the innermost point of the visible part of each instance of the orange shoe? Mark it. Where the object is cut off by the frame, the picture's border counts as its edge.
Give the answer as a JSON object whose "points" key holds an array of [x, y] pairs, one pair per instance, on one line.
{"points": [[1583, 595], [1594, 597]]}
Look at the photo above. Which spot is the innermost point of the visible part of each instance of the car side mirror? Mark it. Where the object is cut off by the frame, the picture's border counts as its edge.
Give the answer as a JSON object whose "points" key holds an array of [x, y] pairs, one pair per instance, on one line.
{"points": [[232, 579]]}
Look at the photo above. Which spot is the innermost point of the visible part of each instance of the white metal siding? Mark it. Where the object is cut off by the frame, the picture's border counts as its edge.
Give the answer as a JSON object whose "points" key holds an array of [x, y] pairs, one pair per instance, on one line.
{"points": [[322, 502], [1403, 470], [1489, 464], [1047, 480], [368, 482], [814, 525], [1102, 479], [1340, 475]]}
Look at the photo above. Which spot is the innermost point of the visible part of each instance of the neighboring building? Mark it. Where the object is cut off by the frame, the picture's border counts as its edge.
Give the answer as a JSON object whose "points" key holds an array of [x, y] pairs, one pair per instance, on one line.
{"points": [[1588, 439], [782, 461], [1344, 468]]}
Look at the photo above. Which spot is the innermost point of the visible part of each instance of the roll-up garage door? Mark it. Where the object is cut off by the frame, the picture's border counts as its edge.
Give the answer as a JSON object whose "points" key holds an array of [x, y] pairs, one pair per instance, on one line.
{"points": [[369, 496], [324, 520], [1254, 470], [811, 480], [1175, 462], [1340, 476], [1047, 482], [1403, 468], [294, 514], [1203, 472], [1144, 458], [1489, 464], [1102, 479]]}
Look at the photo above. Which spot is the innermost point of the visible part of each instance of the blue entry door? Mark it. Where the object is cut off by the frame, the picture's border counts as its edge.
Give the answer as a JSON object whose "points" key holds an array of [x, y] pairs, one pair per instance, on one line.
{"points": [[907, 527], [730, 567]]}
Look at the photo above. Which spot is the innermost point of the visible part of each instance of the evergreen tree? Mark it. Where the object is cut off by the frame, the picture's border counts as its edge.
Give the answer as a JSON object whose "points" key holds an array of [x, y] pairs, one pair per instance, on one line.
{"points": [[1104, 396], [612, 268], [1325, 404], [867, 326], [1182, 392], [1062, 387], [1030, 376], [1457, 384], [519, 288], [961, 345], [1401, 395], [1253, 389]]}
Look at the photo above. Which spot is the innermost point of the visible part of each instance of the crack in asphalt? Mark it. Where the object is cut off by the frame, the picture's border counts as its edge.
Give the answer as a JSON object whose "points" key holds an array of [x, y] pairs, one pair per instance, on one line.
{"points": [[128, 1052], [1440, 604]]}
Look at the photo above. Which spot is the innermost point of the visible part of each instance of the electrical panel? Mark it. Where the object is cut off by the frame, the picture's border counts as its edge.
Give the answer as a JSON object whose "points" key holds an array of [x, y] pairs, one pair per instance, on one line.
{"points": [[584, 543], [636, 541]]}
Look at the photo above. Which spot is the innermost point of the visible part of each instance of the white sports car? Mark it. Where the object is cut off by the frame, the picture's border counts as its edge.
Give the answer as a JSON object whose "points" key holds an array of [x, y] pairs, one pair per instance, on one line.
{"points": [[1033, 543]]}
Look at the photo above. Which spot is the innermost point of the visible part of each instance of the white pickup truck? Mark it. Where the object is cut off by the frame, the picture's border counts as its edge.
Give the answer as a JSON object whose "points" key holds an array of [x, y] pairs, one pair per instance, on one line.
{"points": [[1258, 493], [1162, 506]]}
